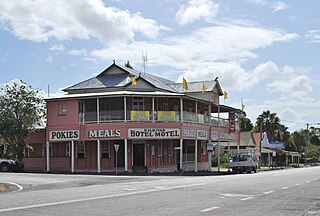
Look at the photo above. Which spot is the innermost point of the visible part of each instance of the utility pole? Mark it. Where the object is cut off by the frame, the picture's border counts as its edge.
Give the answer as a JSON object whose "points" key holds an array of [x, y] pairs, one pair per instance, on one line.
{"points": [[305, 148], [260, 147]]}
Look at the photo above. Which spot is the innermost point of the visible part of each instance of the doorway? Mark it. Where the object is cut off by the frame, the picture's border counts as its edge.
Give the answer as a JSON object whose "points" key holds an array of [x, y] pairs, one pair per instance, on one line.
{"points": [[138, 155]]}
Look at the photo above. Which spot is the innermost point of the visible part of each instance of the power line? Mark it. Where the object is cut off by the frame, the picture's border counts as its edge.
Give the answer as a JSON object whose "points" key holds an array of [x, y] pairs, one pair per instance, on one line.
{"points": [[305, 123]]}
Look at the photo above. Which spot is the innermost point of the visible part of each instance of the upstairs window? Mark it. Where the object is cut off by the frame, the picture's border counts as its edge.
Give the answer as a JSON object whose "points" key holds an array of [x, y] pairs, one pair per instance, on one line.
{"points": [[62, 109], [138, 103], [165, 104]]}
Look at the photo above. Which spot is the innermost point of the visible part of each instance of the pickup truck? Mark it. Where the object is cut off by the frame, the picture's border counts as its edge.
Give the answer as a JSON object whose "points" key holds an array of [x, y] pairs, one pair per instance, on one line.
{"points": [[244, 162], [7, 165]]}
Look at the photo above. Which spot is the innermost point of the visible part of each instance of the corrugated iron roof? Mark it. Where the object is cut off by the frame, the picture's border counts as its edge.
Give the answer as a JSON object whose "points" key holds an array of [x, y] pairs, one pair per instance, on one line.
{"points": [[194, 86], [105, 80]]}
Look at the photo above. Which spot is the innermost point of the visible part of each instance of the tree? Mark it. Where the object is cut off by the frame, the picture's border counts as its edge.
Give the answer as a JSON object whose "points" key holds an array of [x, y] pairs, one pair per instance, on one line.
{"points": [[20, 109], [245, 124], [270, 124], [300, 139], [314, 134]]}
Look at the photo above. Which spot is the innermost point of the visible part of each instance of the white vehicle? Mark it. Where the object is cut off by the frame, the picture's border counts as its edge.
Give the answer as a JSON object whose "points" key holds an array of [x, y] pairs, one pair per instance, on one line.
{"points": [[244, 162], [7, 165]]}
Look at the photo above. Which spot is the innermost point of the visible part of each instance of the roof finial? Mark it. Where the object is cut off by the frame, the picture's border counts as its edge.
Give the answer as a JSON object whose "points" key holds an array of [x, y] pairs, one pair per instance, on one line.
{"points": [[216, 79], [114, 61]]}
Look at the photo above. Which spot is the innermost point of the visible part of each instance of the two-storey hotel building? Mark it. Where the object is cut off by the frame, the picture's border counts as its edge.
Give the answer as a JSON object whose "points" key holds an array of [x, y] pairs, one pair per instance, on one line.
{"points": [[128, 121]]}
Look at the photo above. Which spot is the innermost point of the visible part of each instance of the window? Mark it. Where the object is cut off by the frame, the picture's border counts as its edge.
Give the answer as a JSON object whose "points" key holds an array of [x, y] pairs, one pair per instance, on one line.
{"points": [[62, 109], [68, 149], [203, 147], [165, 104], [152, 149], [105, 149], [81, 149], [176, 105], [170, 147], [199, 108], [160, 148], [138, 103]]}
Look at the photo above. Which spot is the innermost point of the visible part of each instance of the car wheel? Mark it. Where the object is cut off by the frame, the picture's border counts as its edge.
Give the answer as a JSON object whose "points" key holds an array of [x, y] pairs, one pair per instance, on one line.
{"points": [[4, 167]]}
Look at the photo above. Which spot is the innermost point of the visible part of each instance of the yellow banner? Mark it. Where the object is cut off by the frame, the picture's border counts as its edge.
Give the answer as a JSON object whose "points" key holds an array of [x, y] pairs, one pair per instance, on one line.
{"points": [[140, 116], [167, 116]]}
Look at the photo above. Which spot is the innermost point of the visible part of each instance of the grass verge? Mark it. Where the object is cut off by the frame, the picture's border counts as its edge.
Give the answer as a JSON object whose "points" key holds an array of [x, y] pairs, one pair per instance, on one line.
{"points": [[2, 188]]}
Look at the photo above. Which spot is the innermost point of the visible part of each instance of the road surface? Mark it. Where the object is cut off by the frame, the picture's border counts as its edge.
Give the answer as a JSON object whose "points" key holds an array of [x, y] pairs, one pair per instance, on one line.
{"points": [[294, 191]]}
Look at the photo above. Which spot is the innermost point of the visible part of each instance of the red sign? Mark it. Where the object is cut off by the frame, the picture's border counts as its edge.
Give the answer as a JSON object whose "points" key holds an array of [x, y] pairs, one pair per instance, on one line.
{"points": [[232, 127]]}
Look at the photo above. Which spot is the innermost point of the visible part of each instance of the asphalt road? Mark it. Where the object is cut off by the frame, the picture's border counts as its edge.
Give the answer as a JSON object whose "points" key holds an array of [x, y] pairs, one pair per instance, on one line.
{"points": [[281, 192]]}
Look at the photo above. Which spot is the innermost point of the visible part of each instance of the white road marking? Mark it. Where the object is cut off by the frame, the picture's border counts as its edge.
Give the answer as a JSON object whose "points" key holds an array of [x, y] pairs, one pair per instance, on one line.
{"points": [[209, 209], [307, 181], [268, 192], [298, 184], [284, 188], [247, 198], [15, 184], [315, 179], [130, 189], [96, 198]]}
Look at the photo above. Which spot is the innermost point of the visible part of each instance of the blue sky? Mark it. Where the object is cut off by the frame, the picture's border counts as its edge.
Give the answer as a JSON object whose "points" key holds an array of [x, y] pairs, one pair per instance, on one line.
{"points": [[264, 51]]}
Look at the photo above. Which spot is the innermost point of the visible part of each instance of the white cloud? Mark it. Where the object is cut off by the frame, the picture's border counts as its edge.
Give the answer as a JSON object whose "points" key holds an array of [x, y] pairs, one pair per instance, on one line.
{"points": [[79, 52], [258, 2], [275, 6], [40, 93], [40, 20], [195, 10], [279, 5], [233, 76], [216, 51], [57, 47], [49, 59], [313, 36], [297, 86]]}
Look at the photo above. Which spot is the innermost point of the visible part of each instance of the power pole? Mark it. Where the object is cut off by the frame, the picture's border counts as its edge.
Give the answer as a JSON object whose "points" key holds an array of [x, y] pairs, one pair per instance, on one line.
{"points": [[260, 147], [305, 148]]}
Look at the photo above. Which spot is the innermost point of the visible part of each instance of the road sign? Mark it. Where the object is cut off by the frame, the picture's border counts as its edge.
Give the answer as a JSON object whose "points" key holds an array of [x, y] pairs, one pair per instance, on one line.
{"points": [[210, 147], [116, 147]]}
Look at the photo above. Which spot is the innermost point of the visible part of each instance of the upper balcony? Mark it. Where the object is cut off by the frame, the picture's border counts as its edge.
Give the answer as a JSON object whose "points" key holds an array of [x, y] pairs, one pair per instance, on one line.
{"points": [[161, 110]]}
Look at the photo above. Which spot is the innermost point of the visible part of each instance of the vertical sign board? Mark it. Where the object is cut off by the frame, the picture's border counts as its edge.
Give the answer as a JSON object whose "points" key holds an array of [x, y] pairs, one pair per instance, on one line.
{"points": [[232, 127]]}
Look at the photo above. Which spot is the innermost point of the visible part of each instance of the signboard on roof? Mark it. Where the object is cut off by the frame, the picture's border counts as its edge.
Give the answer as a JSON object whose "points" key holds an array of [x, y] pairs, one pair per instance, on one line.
{"points": [[273, 145]]}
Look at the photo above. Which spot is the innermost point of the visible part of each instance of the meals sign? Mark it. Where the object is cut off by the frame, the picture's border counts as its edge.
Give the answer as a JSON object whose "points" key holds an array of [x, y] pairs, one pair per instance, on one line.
{"points": [[153, 133]]}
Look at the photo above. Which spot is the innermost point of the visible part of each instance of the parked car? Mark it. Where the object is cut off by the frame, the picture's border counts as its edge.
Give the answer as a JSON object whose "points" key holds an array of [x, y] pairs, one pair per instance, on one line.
{"points": [[7, 165], [245, 161]]}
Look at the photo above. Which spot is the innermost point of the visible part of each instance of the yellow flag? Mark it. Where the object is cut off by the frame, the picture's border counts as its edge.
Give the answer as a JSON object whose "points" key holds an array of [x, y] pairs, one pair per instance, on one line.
{"points": [[185, 84], [242, 105], [204, 88], [225, 95], [134, 81]]}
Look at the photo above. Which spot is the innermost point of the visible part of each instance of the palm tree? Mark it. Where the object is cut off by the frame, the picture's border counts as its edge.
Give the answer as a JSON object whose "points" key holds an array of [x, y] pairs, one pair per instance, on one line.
{"points": [[270, 124]]}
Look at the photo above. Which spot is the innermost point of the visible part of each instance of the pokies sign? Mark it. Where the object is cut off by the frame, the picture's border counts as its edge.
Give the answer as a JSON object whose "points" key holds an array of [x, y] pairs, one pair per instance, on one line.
{"points": [[64, 135]]}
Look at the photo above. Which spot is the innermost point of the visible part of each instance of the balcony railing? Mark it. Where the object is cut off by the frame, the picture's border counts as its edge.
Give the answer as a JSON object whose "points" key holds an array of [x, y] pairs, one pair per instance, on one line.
{"points": [[146, 116]]}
